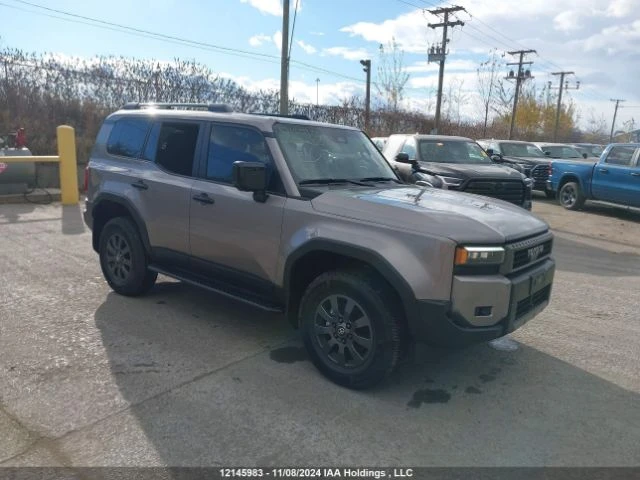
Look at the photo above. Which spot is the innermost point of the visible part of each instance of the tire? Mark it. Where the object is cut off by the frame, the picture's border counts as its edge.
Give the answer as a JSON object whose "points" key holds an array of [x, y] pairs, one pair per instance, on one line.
{"points": [[123, 258], [570, 196], [550, 194], [356, 351]]}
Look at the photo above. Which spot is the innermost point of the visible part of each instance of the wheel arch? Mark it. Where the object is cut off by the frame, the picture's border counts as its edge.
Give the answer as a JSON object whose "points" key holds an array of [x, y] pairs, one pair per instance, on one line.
{"points": [[319, 256], [107, 206]]}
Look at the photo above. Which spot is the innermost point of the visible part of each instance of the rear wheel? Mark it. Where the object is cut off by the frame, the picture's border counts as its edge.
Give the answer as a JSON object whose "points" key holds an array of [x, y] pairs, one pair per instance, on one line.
{"points": [[123, 259], [570, 196], [352, 327]]}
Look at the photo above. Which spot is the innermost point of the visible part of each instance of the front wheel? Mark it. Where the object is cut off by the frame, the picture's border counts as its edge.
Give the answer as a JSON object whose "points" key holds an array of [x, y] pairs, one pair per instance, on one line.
{"points": [[570, 196], [352, 327]]}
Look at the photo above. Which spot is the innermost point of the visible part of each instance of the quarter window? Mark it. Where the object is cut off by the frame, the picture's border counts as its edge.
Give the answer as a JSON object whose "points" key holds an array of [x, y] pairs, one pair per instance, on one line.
{"points": [[127, 137]]}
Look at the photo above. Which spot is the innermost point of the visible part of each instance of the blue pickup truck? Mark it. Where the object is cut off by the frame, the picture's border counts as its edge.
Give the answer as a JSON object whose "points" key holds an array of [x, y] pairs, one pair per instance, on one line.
{"points": [[614, 178]]}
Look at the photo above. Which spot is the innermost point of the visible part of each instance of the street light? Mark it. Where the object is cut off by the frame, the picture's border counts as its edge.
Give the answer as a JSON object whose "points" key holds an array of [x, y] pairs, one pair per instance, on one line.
{"points": [[367, 68]]}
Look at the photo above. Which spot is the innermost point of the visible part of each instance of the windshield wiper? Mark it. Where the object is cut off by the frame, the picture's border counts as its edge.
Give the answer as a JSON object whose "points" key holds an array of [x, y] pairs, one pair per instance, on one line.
{"points": [[327, 181], [379, 179]]}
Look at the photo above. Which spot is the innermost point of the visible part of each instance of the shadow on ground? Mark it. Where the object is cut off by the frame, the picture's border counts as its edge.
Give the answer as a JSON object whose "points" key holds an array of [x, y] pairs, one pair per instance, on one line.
{"points": [[72, 221], [11, 212], [595, 208], [211, 382]]}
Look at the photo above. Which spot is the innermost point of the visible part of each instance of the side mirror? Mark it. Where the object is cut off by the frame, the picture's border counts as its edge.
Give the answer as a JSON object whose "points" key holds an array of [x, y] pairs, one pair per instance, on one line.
{"points": [[584, 155], [404, 158], [251, 177], [496, 157], [547, 153], [490, 151]]}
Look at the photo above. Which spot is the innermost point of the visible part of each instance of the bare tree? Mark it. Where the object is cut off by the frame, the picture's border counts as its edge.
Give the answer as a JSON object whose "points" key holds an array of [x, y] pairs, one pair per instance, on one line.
{"points": [[488, 72], [454, 98], [392, 78]]}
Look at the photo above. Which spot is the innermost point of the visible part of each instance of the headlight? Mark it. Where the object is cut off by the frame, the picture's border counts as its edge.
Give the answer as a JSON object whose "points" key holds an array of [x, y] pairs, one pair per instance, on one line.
{"points": [[528, 182], [479, 255], [450, 181]]}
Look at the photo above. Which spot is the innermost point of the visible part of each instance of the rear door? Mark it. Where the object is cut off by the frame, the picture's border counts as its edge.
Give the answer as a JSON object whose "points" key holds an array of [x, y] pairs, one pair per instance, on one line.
{"points": [[615, 179], [235, 238], [164, 188]]}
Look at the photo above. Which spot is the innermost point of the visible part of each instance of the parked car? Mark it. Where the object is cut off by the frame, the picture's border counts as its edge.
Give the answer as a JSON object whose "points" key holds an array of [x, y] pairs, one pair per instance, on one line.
{"points": [[614, 178], [592, 150], [309, 219], [456, 163], [560, 150], [379, 142], [524, 153]]}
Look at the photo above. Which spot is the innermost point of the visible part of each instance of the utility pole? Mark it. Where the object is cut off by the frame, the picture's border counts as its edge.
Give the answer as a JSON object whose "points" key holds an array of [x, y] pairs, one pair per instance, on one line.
{"points": [[615, 114], [521, 75], [561, 87], [284, 61], [367, 100], [438, 54], [317, 91]]}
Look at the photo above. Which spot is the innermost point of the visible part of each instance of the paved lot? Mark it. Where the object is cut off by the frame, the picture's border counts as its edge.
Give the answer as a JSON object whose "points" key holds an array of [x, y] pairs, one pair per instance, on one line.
{"points": [[182, 377]]}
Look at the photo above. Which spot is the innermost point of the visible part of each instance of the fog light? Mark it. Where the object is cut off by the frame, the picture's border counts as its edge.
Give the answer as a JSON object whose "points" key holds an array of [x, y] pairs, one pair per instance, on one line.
{"points": [[483, 311]]}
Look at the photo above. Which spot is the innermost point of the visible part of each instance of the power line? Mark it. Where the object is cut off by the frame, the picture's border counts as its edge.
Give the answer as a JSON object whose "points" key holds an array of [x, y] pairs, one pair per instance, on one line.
{"points": [[171, 39]]}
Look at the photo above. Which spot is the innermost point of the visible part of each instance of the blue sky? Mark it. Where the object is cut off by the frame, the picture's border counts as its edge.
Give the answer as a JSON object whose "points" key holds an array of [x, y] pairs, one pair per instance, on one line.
{"points": [[596, 38]]}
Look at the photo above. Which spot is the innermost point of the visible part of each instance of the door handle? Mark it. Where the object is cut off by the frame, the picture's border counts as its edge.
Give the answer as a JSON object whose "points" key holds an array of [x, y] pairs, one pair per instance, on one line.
{"points": [[140, 185], [203, 198], [634, 174], [604, 170]]}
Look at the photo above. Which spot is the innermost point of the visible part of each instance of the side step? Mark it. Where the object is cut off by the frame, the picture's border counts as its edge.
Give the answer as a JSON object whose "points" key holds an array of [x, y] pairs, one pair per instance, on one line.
{"points": [[221, 289]]}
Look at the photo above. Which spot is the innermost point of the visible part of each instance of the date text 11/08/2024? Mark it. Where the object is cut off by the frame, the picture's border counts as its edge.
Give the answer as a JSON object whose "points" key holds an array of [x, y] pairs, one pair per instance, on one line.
{"points": [[316, 473]]}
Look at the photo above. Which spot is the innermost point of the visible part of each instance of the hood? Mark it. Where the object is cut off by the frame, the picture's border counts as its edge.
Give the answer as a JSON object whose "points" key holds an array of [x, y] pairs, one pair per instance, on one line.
{"points": [[466, 171], [529, 160], [458, 216]]}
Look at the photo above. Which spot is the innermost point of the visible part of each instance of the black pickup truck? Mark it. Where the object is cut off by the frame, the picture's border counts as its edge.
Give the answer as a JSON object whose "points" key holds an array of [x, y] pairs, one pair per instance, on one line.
{"points": [[457, 163]]}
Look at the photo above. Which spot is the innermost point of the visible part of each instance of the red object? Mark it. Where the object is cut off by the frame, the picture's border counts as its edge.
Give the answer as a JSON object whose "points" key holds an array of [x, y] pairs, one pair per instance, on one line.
{"points": [[3, 167], [21, 138]]}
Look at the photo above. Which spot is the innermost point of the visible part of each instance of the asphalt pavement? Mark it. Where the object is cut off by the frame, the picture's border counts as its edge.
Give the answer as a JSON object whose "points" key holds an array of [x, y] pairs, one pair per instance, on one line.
{"points": [[183, 377]]}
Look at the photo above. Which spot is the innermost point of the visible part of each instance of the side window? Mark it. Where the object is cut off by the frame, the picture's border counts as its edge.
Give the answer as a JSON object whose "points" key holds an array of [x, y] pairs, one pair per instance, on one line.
{"points": [[410, 148], [151, 147], [234, 143], [620, 156], [127, 137], [175, 147], [392, 148]]}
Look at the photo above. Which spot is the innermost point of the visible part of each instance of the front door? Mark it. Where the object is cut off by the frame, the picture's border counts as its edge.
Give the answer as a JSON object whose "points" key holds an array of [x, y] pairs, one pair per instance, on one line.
{"points": [[233, 237], [613, 179]]}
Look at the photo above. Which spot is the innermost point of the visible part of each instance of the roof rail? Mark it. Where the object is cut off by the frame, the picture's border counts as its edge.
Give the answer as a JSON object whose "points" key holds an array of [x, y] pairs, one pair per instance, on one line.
{"points": [[211, 107], [295, 115]]}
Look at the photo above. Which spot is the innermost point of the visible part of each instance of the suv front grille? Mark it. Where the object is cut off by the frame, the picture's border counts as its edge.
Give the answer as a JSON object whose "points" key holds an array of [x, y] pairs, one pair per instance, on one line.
{"points": [[510, 191], [540, 173], [526, 305], [528, 255]]}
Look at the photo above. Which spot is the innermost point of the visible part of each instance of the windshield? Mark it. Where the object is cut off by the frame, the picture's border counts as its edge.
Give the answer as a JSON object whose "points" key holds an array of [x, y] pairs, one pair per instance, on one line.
{"points": [[591, 150], [520, 150], [315, 153], [452, 151], [562, 151]]}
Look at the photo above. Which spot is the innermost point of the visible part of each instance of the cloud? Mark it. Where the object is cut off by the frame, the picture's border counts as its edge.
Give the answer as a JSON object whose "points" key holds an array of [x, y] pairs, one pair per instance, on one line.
{"points": [[306, 47], [621, 8], [568, 21], [318, 34], [346, 52], [269, 7], [277, 39], [258, 40], [452, 65]]}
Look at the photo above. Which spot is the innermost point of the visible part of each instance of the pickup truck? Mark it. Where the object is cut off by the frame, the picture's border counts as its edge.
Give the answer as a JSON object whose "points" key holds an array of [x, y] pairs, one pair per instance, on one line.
{"points": [[614, 178]]}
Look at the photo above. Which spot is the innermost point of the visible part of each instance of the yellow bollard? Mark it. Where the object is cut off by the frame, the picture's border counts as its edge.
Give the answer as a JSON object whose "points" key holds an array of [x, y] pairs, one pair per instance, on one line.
{"points": [[68, 165]]}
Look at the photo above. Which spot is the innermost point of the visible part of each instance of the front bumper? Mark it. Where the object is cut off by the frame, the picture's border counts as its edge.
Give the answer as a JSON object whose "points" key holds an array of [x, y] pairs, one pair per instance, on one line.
{"points": [[514, 300]]}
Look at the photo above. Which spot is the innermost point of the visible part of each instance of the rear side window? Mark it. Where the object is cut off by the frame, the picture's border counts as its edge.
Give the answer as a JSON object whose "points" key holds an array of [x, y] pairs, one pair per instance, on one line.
{"points": [[620, 156], [175, 147], [127, 137]]}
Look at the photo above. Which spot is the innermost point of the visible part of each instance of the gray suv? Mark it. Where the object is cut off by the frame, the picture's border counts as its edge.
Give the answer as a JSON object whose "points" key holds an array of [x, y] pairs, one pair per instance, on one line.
{"points": [[309, 219]]}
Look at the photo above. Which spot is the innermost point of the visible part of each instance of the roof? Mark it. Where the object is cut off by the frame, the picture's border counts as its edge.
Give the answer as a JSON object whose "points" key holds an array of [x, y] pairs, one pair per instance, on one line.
{"points": [[552, 144], [425, 136], [508, 141], [201, 113]]}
